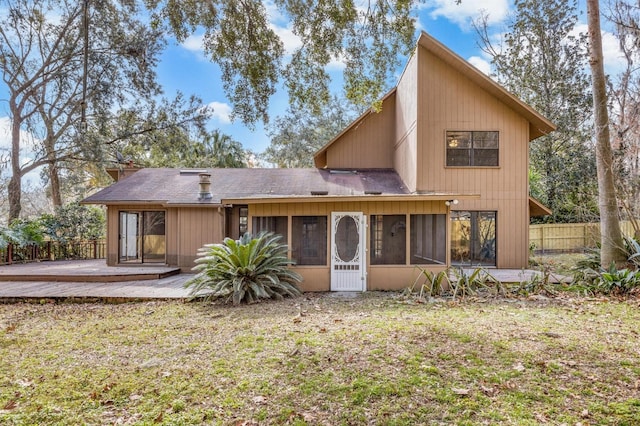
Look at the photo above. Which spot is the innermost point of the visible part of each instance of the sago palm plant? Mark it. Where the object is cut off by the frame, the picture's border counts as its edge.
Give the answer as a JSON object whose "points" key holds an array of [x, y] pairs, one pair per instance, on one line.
{"points": [[245, 270]]}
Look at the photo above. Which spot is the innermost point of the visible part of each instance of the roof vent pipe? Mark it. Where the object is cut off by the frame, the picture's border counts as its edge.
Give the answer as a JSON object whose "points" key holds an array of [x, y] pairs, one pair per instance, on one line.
{"points": [[205, 187]]}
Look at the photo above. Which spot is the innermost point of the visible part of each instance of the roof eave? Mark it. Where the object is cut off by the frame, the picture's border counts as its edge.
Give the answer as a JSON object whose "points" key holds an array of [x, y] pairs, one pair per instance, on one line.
{"points": [[359, 197]]}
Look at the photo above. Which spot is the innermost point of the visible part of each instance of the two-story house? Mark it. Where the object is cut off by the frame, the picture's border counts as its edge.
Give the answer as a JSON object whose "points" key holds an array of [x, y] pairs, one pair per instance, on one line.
{"points": [[438, 177]]}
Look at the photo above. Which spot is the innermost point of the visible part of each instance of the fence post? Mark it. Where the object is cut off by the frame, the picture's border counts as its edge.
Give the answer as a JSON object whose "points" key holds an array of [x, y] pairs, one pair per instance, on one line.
{"points": [[95, 249], [10, 254]]}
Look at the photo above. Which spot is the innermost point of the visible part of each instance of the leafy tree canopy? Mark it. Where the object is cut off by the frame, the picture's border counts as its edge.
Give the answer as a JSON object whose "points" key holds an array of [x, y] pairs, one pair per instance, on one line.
{"points": [[543, 62], [238, 36], [297, 135]]}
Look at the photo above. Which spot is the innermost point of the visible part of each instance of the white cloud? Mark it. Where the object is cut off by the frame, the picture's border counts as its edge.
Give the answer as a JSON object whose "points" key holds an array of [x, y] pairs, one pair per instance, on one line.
{"points": [[220, 111], [614, 61], [289, 39], [468, 10], [194, 43], [482, 64]]}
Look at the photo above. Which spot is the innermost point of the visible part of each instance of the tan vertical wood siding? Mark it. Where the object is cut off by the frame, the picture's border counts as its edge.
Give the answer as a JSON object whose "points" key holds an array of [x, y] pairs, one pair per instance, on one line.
{"points": [[196, 227], [447, 100], [368, 144], [406, 132]]}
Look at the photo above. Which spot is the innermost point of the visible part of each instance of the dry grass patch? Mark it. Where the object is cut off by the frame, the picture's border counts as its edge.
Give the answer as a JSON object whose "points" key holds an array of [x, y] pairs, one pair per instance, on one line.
{"points": [[321, 359]]}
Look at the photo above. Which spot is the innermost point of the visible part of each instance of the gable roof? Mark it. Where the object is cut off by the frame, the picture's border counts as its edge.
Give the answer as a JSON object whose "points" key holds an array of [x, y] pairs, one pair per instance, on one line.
{"points": [[538, 125]]}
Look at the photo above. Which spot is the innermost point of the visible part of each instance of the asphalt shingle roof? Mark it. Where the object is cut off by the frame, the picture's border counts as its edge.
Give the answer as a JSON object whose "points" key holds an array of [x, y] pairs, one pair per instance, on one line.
{"points": [[175, 186]]}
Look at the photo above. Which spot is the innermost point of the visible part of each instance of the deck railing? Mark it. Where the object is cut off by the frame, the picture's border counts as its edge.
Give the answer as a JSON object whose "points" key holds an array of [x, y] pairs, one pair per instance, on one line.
{"points": [[53, 250]]}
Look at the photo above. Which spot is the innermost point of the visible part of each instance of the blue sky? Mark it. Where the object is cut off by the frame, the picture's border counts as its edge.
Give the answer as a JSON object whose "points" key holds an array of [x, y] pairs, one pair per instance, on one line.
{"points": [[184, 66]]}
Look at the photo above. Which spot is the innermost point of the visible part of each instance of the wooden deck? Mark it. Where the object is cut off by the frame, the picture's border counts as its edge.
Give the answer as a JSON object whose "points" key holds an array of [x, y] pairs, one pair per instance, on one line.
{"points": [[90, 279], [164, 288], [83, 271]]}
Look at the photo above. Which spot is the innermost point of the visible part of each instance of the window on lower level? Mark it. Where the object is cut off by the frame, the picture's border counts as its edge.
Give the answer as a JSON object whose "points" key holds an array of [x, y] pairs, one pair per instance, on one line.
{"points": [[428, 239], [309, 240], [466, 148], [243, 220], [473, 238], [275, 224], [388, 239]]}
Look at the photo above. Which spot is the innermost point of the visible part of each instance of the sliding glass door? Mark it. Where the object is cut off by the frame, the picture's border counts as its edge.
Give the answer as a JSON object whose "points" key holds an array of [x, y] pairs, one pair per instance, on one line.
{"points": [[142, 237]]}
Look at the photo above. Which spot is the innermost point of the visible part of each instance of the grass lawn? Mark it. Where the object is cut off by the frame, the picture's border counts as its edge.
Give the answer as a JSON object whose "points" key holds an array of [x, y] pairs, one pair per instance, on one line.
{"points": [[322, 359]]}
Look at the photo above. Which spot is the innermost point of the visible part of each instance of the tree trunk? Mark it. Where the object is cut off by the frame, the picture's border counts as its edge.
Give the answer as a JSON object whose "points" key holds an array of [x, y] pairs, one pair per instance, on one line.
{"points": [[54, 183], [15, 183], [612, 247]]}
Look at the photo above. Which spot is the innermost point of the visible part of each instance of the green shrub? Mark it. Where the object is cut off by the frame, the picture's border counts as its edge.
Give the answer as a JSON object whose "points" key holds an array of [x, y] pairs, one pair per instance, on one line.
{"points": [[618, 282], [21, 232], [432, 284], [73, 222], [245, 270], [471, 283]]}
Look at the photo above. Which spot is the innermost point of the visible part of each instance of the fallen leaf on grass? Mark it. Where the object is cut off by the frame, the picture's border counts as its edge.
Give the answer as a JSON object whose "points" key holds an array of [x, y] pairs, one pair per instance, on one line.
{"points": [[11, 404], [460, 391], [541, 418], [489, 391], [519, 367], [259, 399], [25, 383]]}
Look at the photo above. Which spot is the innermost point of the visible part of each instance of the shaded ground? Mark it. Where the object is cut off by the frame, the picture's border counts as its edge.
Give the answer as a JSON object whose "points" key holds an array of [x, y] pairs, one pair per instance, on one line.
{"points": [[322, 359]]}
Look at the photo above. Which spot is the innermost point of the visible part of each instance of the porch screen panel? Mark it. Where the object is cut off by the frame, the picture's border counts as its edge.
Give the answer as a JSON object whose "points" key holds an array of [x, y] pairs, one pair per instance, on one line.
{"points": [[154, 237], [428, 239], [388, 239], [275, 224], [309, 240]]}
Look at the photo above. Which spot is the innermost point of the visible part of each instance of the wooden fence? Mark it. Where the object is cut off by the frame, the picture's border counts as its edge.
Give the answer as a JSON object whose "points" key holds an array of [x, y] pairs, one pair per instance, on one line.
{"points": [[567, 237], [53, 250]]}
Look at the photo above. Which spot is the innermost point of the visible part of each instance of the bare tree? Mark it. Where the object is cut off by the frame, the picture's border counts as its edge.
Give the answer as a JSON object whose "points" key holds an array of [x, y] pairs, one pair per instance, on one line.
{"points": [[53, 77]]}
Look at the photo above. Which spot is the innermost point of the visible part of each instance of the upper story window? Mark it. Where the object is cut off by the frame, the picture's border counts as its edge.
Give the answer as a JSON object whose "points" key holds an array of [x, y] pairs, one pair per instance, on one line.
{"points": [[478, 149]]}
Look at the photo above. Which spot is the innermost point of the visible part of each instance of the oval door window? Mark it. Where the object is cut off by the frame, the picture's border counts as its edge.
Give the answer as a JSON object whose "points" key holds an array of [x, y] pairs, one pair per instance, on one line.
{"points": [[347, 238]]}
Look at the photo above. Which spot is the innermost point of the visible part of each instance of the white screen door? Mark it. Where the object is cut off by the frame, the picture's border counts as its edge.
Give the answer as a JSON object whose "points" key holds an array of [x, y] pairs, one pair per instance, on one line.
{"points": [[348, 260]]}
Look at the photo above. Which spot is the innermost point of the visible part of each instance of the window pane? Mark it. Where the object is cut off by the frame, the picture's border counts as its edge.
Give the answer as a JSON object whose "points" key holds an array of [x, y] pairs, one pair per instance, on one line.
{"points": [[458, 157], [458, 139], [388, 240], [244, 220], [428, 239], [309, 240], [275, 224], [485, 140], [485, 157]]}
